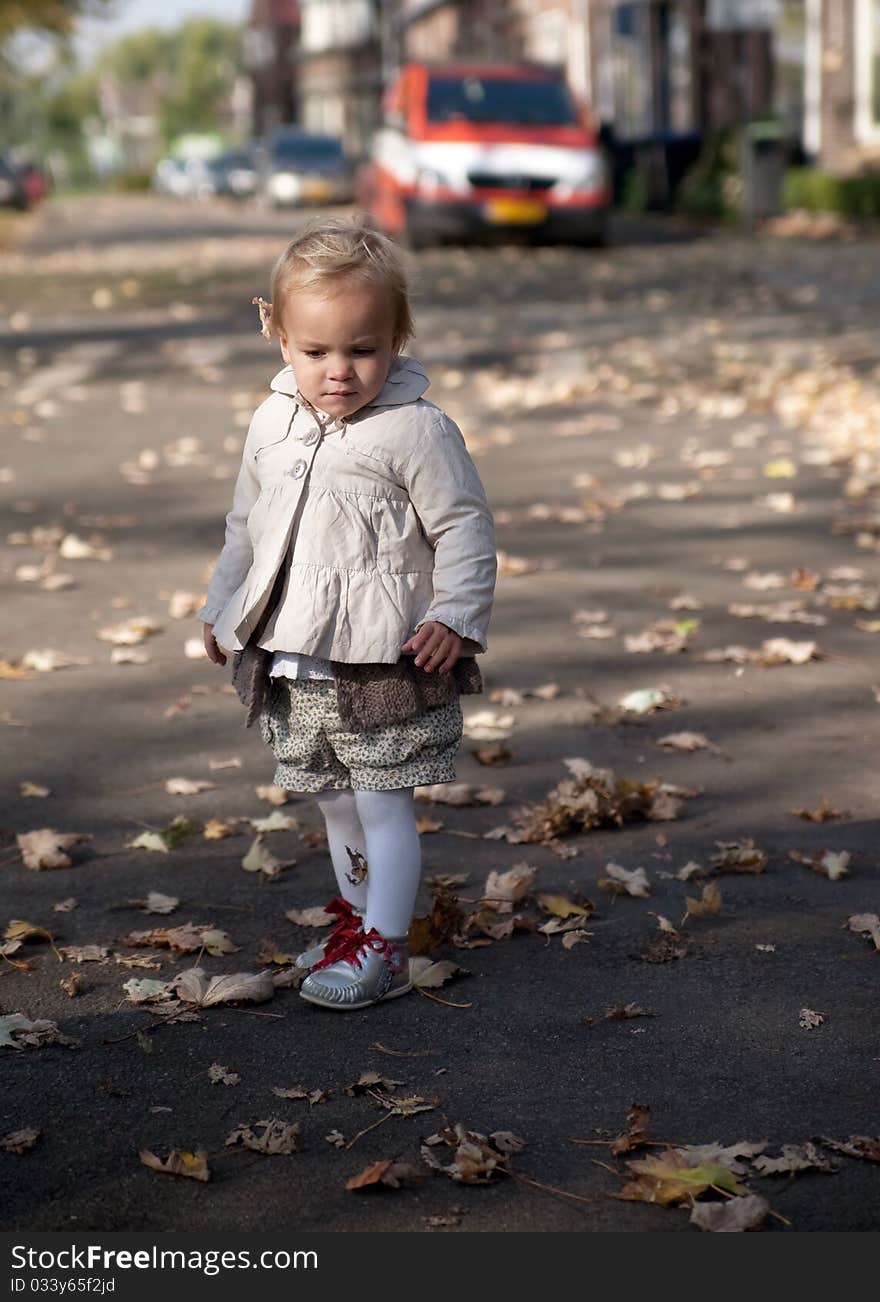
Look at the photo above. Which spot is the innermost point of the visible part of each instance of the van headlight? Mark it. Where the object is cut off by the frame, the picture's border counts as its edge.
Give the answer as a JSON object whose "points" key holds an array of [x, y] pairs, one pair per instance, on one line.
{"points": [[590, 173], [429, 180]]}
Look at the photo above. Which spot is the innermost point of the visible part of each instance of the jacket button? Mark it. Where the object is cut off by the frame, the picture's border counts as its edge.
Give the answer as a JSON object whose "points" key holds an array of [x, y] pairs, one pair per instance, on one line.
{"points": [[311, 438], [298, 470]]}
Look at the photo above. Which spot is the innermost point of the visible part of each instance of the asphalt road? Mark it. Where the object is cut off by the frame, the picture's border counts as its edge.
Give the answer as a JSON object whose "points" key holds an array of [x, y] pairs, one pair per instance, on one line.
{"points": [[638, 416]]}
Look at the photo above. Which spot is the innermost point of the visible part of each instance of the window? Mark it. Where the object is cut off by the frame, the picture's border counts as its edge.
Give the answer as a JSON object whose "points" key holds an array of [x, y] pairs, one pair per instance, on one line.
{"points": [[513, 101]]}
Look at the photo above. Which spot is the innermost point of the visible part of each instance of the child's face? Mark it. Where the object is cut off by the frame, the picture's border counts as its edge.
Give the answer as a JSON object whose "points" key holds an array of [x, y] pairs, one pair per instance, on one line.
{"points": [[339, 340]]}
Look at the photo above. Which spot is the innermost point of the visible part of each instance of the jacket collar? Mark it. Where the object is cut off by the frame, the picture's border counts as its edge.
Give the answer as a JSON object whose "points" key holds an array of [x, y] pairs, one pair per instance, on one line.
{"points": [[406, 382]]}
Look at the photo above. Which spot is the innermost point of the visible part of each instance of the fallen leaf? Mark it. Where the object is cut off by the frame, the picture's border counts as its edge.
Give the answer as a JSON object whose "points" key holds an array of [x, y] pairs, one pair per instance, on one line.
{"points": [[460, 793], [188, 786], [179, 1162], [45, 848], [275, 822], [17, 1031], [312, 917], [823, 813], [493, 752], [666, 1178], [739, 857], [867, 923], [145, 990], [507, 888], [218, 1075], [277, 1136], [274, 795], [863, 1146], [636, 1132], [735, 1215], [475, 1159], [809, 1018], [47, 660], [426, 974], [216, 829], [260, 859], [71, 984], [149, 841], [156, 902], [20, 1141], [561, 907], [828, 863], [193, 987], [709, 902], [647, 699], [387, 1172], [795, 1157], [625, 881], [686, 741], [300, 1092], [64, 906], [33, 790], [130, 632], [84, 953]]}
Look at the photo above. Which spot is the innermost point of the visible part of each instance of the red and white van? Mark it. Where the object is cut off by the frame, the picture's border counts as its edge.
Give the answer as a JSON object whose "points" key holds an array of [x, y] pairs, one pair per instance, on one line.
{"points": [[466, 147]]}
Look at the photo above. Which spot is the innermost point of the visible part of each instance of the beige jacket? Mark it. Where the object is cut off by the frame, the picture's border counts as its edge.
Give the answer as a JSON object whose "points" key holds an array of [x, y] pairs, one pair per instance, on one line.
{"points": [[382, 518]]}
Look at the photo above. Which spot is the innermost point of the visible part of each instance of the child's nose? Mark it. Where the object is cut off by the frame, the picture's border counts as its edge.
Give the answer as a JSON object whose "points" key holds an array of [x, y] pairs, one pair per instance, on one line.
{"points": [[340, 368]]}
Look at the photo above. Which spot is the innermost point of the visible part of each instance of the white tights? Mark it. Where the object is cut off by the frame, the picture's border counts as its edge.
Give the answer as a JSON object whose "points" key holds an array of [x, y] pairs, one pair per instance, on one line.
{"points": [[382, 826]]}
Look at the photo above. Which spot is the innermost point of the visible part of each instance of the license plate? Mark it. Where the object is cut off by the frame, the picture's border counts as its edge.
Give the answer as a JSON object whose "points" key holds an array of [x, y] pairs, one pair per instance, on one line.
{"points": [[515, 212], [317, 189]]}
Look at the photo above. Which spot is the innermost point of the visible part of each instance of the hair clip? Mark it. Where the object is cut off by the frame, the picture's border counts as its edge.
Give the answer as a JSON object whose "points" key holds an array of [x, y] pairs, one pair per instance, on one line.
{"points": [[265, 311]]}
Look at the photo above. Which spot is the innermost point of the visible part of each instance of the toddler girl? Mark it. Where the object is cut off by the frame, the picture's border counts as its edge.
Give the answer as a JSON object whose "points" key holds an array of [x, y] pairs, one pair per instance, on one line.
{"points": [[354, 587]]}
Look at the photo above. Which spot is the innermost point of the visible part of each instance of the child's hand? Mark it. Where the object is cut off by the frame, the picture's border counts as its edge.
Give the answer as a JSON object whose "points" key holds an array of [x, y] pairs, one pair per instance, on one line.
{"points": [[435, 645], [211, 646]]}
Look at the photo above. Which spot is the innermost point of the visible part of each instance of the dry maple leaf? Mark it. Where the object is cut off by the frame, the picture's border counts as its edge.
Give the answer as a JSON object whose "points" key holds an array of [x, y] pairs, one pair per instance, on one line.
{"points": [[476, 1158], [863, 1146], [492, 752], [216, 829], [178, 1162], [219, 1075], [130, 632], [260, 859], [311, 917], [193, 987], [20, 1141], [832, 864], [636, 1133], [156, 902], [17, 1031], [188, 786], [270, 953], [561, 907], [809, 1018], [427, 975], [667, 1178], [795, 1157], [300, 1092], [272, 794], [686, 741], [275, 822], [276, 1136], [445, 921], [823, 813], [867, 923], [735, 1215], [460, 793], [149, 841], [739, 857], [625, 881], [503, 890], [709, 903], [84, 953], [387, 1173], [33, 790], [45, 848]]}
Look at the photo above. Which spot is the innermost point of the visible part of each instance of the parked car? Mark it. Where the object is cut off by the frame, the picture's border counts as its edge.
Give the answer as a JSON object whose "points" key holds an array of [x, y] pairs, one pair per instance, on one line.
{"points": [[13, 190], [301, 167], [470, 147], [233, 174]]}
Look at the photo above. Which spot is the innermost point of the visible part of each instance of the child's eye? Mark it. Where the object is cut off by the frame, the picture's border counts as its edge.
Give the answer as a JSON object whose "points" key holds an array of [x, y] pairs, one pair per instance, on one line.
{"points": [[314, 353], [364, 352]]}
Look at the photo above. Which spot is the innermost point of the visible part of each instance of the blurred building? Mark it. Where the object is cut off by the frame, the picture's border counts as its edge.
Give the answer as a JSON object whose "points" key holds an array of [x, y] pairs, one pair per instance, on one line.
{"points": [[270, 42], [339, 68]]}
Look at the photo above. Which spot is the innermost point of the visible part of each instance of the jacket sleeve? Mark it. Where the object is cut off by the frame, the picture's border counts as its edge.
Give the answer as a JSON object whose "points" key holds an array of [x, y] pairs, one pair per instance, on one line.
{"points": [[237, 554], [450, 501]]}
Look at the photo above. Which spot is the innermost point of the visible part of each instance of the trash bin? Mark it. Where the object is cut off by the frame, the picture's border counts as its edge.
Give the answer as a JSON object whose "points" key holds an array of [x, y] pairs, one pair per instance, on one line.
{"points": [[765, 153]]}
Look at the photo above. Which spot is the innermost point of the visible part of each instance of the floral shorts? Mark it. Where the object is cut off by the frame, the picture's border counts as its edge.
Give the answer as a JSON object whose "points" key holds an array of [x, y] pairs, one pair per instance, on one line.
{"points": [[300, 721]]}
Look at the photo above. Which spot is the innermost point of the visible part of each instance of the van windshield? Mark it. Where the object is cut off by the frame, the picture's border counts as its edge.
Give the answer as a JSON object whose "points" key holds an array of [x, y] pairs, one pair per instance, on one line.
{"points": [[500, 99]]}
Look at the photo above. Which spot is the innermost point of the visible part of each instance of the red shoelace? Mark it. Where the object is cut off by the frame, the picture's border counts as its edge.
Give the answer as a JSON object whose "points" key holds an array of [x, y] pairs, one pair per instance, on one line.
{"points": [[347, 950], [349, 924]]}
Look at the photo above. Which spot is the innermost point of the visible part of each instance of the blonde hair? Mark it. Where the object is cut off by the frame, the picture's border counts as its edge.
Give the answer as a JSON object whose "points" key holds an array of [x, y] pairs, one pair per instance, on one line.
{"points": [[332, 249]]}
